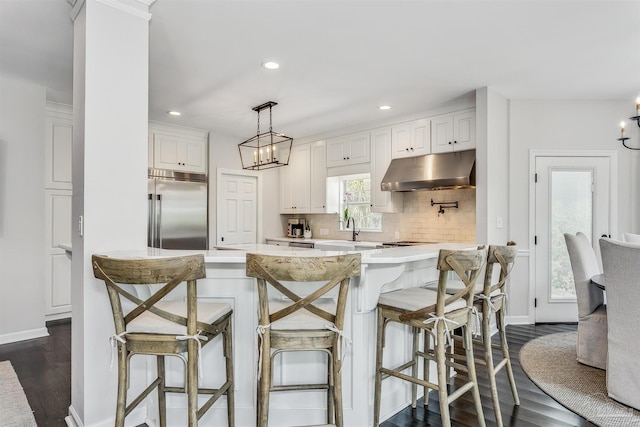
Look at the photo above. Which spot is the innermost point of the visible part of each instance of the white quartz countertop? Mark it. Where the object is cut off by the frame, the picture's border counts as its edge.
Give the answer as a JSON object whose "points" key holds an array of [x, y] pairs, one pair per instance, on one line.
{"points": [[395, 255]]}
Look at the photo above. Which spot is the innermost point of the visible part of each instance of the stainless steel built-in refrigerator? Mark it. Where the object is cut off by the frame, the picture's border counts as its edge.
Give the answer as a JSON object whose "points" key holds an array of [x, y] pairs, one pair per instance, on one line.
{"points": [[177, 210]]}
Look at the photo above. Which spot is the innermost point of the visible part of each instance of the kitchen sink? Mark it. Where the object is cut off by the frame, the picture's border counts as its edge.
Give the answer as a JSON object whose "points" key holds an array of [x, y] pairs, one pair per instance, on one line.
{"points": [[345, 245]]}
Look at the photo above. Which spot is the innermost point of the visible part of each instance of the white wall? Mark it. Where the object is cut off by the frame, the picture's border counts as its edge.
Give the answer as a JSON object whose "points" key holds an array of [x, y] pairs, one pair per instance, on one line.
{"points": [[22, 243], [562, 125]]}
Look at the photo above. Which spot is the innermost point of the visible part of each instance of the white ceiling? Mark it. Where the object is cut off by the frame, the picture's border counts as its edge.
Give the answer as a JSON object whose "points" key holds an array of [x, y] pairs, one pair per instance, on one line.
{"points": [[340, 60]]}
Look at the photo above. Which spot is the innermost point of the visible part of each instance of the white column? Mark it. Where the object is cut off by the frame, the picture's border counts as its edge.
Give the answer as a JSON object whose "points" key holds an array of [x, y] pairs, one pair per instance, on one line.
{"points": [[110, 84]]}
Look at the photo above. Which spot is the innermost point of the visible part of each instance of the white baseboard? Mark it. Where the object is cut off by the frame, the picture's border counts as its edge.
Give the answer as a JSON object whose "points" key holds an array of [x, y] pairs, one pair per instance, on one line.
{"points": [[517, 320], [24, 335], [57, 316], [73, 420]]}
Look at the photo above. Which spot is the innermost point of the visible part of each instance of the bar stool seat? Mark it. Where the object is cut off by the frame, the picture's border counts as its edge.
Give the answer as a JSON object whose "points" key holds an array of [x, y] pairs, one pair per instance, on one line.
{"points": [[161, 327]]}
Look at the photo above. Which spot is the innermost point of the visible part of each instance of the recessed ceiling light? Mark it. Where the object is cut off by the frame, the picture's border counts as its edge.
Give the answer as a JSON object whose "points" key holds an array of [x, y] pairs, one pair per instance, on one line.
{"points": [[270, 65], [174, 113], [384, 107]]}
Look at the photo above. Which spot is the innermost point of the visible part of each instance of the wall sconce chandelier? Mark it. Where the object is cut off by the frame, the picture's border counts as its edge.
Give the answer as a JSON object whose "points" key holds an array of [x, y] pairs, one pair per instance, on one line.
{"points": [[623, 138], [265, 150]]}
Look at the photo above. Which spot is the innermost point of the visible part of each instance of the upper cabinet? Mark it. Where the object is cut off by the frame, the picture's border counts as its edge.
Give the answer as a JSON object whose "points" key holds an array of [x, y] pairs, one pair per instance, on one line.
{"points": [[295, 181], [382, 201], [178, 149], [453, 132], [349, 150], [303, 183], [318, 185], [411, 139]]}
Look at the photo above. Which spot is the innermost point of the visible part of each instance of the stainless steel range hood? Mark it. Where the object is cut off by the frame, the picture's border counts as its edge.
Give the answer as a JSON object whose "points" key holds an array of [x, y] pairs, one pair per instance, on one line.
{"points": [[431, 172]]}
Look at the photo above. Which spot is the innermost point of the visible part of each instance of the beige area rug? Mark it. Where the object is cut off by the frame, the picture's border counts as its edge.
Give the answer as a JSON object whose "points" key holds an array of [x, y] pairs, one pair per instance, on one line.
{"points": [[14, 408], [550, 362]]}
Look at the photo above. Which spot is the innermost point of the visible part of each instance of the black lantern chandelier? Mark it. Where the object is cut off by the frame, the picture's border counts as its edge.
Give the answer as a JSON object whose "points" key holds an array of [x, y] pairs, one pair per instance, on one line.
{"points": [[265, 150]]}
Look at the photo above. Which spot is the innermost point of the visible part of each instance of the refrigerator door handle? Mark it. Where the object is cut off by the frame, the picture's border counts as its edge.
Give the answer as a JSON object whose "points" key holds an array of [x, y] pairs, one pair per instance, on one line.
{"points": [[150, 222], [159, 220]]}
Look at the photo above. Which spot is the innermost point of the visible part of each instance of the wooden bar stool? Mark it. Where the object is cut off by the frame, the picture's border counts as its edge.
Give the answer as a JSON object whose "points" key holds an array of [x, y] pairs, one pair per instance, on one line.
{"points": [[436, 313], [165, 328], [490, 301], [312, 322]]}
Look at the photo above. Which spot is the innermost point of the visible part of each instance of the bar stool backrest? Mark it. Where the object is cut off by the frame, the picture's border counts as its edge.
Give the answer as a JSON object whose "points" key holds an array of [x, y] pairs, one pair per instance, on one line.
{"points": [[505, 257], [169, 272], [277, 270]]}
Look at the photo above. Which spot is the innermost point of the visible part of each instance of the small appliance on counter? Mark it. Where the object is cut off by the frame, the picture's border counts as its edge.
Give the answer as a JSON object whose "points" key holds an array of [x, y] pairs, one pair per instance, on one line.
{"points": [[295, 227]]}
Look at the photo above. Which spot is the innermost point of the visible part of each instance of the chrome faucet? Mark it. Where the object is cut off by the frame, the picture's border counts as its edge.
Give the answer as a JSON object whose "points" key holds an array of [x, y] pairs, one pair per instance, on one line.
{"points": [[353, 225]]}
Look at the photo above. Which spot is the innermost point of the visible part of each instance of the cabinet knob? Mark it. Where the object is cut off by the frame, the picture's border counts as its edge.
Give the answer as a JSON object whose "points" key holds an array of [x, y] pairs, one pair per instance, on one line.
{"points": [[411, 148], [449, 142], [455, 142], [406, 149]]}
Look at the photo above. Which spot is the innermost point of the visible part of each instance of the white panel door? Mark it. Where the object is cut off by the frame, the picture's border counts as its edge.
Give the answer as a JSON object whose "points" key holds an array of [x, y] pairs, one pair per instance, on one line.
{"points": [[237, 209], [571, 194], [57, 261]]}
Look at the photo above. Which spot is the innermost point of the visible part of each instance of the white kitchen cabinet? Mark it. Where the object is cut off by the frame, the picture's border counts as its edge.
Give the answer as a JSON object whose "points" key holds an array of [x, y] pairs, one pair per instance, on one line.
{"points": [[178, 149], [318, 184], [382, 201], [349, 150], [295, 181], [453, 132], [411, 139]]}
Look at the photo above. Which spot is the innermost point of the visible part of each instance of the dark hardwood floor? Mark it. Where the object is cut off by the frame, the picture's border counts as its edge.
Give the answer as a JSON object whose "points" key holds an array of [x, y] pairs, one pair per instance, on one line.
{"points": [[536, 408], [44, 368]]}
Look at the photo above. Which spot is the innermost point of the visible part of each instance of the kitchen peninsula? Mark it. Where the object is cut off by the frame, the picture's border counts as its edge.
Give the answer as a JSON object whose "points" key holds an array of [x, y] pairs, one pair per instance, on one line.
{"points": [[382, 270]]}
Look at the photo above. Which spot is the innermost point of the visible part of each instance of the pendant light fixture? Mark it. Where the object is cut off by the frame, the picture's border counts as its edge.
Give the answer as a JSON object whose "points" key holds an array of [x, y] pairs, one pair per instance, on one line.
{"points": [[265, 150]]}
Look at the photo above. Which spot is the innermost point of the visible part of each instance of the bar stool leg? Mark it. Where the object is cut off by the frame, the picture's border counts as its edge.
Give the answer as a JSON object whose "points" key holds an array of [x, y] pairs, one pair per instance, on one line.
{"points": [[425, 366], [414, 368], [442, 375], [378, 382], [471, 368], [505, 354], [491, 373], [192, 383], [162, 402], [228, 354], [337, 389], [331, 403], [123, 379], [264, 382]]}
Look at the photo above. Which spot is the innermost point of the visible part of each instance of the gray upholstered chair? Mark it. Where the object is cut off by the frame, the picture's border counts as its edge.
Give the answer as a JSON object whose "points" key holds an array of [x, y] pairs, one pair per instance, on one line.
{"points": [[592, 312], [621, 262], [631, 238]]}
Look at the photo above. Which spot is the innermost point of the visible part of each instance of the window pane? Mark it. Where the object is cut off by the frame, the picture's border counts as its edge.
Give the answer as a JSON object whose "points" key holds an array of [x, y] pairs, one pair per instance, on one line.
{"points": [[571, 208], [356, 203]]}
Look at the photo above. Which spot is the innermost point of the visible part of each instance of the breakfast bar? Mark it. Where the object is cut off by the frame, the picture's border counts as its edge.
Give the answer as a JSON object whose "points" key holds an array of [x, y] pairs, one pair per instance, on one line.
{"points": [[382, 270]]}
